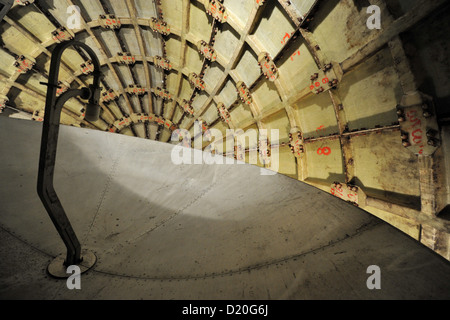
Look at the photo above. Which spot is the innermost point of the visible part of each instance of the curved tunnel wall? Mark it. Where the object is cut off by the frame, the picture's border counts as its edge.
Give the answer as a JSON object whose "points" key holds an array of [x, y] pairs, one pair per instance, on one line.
{"points": [[350, 133]]}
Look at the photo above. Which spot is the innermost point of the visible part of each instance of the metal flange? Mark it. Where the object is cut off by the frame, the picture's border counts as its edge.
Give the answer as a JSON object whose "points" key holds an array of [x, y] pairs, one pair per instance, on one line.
{"points": [[58, 269]]}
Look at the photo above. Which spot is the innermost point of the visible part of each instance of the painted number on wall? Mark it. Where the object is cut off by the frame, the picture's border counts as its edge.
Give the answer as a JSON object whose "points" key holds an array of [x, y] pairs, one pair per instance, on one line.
{"points": [[417, 132], [295, 53], [326, 151]]}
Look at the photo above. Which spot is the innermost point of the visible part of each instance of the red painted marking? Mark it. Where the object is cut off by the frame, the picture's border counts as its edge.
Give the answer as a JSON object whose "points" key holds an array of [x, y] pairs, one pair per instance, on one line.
{"points": [[412, 117], [214, 9], [284, 38], [326, 151], [296, 53], [418, 133], [321, 128], [338, 192], [417, 136], [352, 197]]}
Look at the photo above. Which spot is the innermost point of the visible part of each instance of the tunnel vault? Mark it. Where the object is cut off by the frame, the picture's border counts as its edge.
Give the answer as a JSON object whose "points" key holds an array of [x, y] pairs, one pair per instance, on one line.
{"points": [[362, 112]]}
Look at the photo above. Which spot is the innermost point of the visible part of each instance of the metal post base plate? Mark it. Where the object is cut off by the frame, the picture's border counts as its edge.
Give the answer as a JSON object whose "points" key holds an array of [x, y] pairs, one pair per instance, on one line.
{"points": [[58, 269]]}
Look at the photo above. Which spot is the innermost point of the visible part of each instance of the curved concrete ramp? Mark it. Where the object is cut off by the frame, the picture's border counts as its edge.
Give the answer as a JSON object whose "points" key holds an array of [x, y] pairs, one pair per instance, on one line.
{"points": [[162, 231]]}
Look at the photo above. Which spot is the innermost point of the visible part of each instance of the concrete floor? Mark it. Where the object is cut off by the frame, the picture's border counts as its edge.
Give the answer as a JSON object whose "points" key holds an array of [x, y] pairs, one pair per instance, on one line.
{"points": [[162, 231]]}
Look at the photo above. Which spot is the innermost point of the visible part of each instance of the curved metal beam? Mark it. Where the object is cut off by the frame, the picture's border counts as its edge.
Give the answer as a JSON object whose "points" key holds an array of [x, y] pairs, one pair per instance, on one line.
{"points": [[5, 5]]}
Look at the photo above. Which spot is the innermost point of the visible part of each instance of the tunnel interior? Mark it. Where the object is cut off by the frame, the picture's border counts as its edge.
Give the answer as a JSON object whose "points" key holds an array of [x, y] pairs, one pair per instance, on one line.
{"points": [[316, 134]]}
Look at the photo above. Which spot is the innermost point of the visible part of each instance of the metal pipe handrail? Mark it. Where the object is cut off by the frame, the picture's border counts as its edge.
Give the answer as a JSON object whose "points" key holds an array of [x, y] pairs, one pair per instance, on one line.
{"points": [[49, 144]]}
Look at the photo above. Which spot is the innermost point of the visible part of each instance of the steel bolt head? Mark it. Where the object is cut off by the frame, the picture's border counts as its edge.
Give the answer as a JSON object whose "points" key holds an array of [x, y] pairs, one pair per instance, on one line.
{"points": [[432, 142]]}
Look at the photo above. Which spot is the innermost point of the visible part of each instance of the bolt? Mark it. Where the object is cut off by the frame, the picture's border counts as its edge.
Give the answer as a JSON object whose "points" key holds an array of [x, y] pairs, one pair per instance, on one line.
{"points": [[327, 67], [406, 144], [427, 114], [432, 142]]}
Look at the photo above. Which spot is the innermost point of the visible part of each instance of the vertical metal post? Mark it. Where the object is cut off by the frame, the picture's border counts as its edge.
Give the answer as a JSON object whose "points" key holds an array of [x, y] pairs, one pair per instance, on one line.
{"points": [[47, 159]]}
